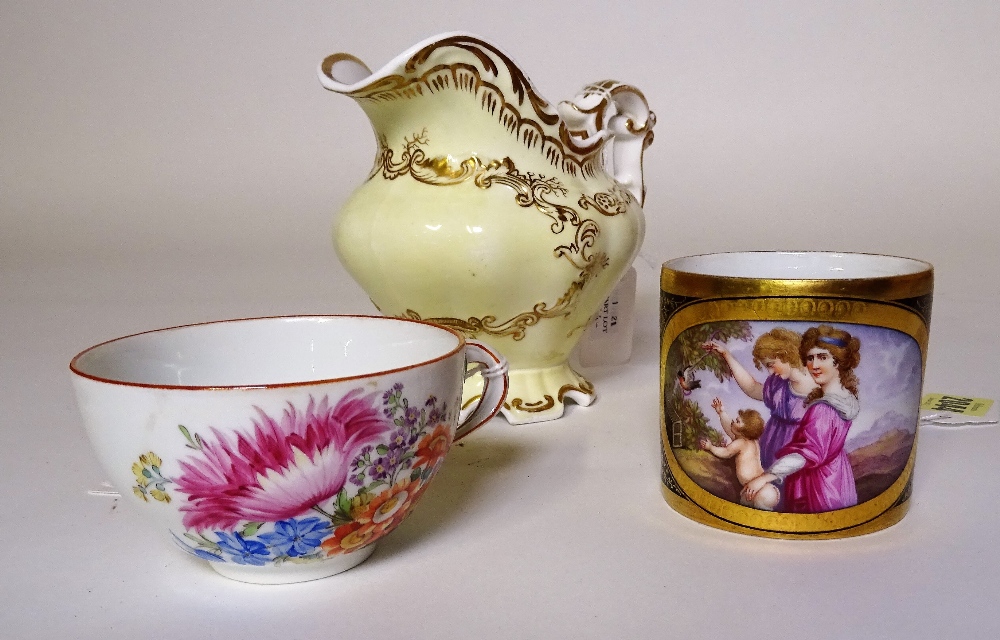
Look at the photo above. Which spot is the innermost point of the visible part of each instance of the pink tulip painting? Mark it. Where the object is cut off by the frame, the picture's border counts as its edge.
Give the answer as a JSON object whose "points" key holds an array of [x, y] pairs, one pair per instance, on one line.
{"points": [[281, 468]]}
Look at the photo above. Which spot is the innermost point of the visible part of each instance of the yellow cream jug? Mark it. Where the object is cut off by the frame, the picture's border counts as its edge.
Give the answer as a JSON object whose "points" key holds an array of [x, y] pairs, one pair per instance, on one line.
{"points": [[491, 211]]}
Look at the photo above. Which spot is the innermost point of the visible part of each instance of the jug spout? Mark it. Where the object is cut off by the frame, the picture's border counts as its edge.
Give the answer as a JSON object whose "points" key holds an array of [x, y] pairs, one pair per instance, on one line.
{"points": [[342, 72]]}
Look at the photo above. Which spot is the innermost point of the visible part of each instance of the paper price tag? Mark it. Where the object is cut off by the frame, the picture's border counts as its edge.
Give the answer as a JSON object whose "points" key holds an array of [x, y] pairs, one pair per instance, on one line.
{"points": [[607, 319], [608, 339], [960, 405]]}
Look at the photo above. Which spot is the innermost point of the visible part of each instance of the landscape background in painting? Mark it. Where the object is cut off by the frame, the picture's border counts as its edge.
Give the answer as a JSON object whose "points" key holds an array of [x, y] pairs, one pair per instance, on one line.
{"points": [[881, 437]]}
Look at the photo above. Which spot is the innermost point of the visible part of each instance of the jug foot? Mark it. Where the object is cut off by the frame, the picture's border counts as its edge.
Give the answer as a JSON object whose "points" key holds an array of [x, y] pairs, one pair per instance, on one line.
{"points": [[536, 395]]}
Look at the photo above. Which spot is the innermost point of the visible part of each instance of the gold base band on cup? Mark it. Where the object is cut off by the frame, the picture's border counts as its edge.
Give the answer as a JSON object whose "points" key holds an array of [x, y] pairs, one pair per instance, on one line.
{"points": [[692, 511], [704, 301]]}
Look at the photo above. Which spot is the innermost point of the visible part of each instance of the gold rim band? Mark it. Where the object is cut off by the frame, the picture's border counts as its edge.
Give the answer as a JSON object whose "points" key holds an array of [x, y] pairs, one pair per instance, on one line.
{"points": [[678, 281]]}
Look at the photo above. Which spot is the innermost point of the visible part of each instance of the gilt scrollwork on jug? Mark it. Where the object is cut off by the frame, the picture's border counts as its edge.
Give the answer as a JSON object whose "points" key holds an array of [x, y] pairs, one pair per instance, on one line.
{"points": [[491, 211]]}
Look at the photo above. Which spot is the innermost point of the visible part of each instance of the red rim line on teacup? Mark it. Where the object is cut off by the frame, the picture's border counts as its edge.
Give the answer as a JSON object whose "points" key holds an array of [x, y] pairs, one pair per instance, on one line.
{"points": [[272, 385], [490, 374]]}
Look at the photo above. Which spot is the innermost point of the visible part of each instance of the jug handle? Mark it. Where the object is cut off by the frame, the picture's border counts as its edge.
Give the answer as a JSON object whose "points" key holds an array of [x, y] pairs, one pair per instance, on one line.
{"points": [[619, 113]]}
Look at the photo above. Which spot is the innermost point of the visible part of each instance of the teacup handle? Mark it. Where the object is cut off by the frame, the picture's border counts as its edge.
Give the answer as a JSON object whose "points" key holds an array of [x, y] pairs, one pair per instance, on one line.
{"points": [[493, 368]]}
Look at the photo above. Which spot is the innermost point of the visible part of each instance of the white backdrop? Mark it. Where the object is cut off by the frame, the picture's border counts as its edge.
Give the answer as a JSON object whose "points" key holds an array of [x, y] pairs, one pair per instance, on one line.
{"points": [[172, 162], [180, 127], [195, 135]]}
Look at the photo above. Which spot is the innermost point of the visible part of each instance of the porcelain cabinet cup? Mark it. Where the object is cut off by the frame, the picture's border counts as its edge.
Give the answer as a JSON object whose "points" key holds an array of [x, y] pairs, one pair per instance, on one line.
{"points": [[280, 449], [791, 389]]}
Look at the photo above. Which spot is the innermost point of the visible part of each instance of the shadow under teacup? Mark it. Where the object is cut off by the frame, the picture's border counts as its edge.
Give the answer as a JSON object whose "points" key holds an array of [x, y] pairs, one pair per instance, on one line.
{"points": [[791, 389], [281, 449]]}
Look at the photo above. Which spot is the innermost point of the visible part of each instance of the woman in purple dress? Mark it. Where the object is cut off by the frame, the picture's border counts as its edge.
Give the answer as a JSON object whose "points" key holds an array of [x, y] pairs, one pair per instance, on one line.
{"points": [[784, 390], [813, 467]]}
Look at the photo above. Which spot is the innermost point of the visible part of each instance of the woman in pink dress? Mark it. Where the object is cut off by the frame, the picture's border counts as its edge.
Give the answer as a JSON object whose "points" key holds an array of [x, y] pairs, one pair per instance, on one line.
{"points": [[783, 391], [813, 468]]}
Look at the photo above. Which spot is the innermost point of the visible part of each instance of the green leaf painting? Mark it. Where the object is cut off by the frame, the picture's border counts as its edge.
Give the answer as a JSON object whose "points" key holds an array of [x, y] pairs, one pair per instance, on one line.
{"points": [[691, 354]]}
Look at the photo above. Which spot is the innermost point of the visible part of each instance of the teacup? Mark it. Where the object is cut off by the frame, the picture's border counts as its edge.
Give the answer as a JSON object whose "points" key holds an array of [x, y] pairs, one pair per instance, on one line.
{"points": [[791, 389], [281, 449]]}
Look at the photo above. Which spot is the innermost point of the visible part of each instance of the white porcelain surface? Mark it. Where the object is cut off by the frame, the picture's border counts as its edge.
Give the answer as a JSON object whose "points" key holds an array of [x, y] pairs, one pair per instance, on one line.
{"points": [[293, 573]]}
